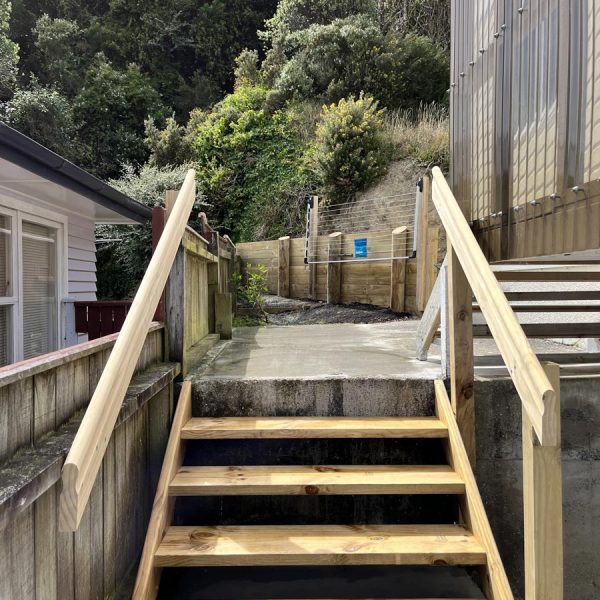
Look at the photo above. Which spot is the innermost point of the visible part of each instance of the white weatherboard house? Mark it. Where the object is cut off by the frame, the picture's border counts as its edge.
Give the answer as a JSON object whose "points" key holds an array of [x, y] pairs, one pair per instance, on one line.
{"points": [[48, 210]]}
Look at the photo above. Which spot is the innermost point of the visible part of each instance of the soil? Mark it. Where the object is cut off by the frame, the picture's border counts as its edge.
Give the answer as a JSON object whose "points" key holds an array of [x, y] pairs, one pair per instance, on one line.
{"points": [[321, 313]]}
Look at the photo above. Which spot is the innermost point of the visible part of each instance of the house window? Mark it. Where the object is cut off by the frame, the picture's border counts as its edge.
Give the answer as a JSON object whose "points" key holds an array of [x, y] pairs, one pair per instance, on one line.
{"points": [[39, 299], [30, 250]]}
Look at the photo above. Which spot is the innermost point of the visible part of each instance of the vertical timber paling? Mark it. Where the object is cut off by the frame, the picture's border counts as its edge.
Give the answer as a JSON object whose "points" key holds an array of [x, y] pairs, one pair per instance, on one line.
{"points": [[542, 504]]}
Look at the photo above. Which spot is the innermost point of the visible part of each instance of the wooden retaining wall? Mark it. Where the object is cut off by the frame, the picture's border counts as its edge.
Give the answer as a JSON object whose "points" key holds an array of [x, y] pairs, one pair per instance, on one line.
{"points": [[41, 404], [364, 282]]}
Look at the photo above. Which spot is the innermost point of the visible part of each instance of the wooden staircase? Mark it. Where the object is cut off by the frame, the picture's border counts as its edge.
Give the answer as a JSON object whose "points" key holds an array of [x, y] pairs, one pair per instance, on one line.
{"points": [[468, 542]]}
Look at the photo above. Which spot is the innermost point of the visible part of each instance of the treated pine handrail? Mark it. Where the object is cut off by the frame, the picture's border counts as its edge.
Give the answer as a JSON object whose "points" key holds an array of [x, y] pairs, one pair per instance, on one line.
{"points": [[92, 438], [527, 373]]}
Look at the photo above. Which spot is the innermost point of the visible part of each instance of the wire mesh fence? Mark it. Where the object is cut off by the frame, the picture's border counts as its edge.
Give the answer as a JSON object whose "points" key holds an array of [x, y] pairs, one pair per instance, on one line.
{"points": [[376, 228]]}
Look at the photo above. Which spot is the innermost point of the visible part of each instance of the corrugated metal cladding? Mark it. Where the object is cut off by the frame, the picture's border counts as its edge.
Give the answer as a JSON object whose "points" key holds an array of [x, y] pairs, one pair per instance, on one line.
{"points": [[525, 122]]}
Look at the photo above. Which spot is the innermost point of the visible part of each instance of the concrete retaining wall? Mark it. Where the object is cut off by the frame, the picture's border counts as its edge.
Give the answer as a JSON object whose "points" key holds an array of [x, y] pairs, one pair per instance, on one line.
{"points": [[500, 477]]}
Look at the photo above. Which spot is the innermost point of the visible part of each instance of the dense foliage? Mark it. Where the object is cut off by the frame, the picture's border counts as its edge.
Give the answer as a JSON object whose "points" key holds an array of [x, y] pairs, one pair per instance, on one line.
{"points": [[114, 63], [123, 251], [269, 101]]}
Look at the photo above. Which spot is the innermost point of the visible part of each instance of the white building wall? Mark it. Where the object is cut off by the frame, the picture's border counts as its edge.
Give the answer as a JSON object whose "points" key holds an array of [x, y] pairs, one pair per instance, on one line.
{"points": [[82, 258]]}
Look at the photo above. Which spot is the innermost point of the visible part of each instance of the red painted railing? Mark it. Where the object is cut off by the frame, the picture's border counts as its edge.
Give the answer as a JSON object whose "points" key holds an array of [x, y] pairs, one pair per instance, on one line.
{"points": [[100, 318]]}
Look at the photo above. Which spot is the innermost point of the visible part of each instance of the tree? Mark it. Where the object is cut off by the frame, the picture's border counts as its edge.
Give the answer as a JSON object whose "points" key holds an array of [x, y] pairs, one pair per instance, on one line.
{"points": [[112, 107], [173, 145], [430, 18], [352, 55], [293, 16], [9, 52], [246, 68], [59, 44], [44, 115]]}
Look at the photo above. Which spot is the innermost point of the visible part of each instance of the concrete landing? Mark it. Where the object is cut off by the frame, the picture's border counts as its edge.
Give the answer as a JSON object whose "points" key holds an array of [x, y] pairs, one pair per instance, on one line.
{"points": [[350, 350]]}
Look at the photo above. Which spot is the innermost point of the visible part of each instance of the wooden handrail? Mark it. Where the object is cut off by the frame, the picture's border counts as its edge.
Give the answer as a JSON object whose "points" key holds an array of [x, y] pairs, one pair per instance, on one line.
{"points": [[527, 373], [89, 446]]}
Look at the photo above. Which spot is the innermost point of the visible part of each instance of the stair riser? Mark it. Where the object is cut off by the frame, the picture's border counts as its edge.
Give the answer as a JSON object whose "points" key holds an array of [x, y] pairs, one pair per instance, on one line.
{"points": [[315, 510], [269, 583], [312, 397], [315, 452]]}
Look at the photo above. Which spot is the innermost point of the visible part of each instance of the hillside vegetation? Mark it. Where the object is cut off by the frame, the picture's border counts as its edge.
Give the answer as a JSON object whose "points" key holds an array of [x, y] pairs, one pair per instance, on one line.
{"points": [[269, 101]]}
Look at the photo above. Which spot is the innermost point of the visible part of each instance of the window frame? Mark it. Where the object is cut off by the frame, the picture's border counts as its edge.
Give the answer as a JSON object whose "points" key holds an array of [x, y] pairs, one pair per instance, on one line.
{"points": [[19, 211], [12, 301]]}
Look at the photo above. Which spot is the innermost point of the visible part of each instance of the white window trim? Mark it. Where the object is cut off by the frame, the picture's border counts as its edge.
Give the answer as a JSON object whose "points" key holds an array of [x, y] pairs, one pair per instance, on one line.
{"points": [[21, 210]]}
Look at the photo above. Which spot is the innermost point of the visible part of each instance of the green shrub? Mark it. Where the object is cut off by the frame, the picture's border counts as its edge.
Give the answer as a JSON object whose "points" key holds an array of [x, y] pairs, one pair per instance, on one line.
{"points": [[44, 115], [350, 148], [255, 288]]}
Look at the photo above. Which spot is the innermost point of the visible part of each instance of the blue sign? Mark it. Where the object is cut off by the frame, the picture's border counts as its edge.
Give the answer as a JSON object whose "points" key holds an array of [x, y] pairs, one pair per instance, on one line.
{"points": [[360, 248]]}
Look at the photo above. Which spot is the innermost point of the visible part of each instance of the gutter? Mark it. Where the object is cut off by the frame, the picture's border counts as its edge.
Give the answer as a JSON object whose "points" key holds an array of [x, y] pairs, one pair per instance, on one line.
{"points": [[25, 152]]}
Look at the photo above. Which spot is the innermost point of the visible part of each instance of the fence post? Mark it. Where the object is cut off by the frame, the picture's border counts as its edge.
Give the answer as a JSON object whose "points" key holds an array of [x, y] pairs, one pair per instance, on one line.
{"points": [[223, 315], [158, 225], [314, 248], [283, 271], [542, 504], [421, 231], [174, 295], [460, 331], [398, 268], [334, 268]]}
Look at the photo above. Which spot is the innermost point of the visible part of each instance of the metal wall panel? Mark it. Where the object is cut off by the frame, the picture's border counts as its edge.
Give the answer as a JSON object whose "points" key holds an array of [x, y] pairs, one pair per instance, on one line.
{"points": [[525, 121]]}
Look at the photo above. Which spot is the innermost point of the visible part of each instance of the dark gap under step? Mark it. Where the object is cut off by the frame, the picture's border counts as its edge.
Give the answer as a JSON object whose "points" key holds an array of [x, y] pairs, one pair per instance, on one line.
{"points": [[298, 583]]}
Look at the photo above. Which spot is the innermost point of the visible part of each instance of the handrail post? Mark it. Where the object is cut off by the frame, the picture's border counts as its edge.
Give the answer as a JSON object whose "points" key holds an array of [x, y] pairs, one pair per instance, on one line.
{"points": [[542, 504], [460, 334]]}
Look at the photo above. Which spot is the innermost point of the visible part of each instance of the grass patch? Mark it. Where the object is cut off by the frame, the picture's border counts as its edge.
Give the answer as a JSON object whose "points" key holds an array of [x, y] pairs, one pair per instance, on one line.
{"points": [[422, 135]]}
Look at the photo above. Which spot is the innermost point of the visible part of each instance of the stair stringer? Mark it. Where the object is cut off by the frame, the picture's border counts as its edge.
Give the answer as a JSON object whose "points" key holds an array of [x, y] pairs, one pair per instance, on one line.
{"points": [[494, 579], [148, 576]]}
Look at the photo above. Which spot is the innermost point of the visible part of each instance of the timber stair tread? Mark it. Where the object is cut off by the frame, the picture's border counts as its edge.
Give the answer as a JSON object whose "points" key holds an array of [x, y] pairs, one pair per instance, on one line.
{"points": [[280, 545], [315, 480], [313, 427]]}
